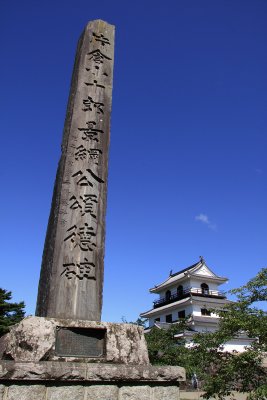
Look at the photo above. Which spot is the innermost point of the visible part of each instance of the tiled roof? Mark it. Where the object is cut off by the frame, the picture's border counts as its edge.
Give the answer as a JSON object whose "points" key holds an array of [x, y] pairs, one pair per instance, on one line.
{"points": [[173, 278], [185, 269]]}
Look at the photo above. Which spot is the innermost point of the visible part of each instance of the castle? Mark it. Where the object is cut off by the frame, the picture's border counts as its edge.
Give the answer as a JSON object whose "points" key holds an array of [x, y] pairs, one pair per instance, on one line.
{"points": [[191, 292]]}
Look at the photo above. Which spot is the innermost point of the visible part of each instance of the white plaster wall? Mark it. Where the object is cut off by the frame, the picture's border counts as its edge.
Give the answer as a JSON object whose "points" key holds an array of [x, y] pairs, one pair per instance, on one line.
{"points": [[152, 322], [231, 346], [173, 313], [194, 283], [237, 345], [163, 293], [196, 309], [203, 328], [173, 289], [188, 310]]}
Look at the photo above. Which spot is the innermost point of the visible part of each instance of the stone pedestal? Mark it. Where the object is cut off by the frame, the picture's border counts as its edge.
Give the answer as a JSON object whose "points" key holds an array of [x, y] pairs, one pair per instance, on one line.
{"points": [[50, 380], [33, 368], [87, 392], [37, 339]]}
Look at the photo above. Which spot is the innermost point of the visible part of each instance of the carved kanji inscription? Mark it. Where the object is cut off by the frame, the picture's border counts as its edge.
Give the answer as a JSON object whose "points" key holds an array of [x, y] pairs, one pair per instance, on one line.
{"points": [[90, 104], [100, 38], [91, 132], [85, 204], [87, 178], [82, 153], [95, 84], [97, 57], [80, 270], [82, 236], [71, 280]]}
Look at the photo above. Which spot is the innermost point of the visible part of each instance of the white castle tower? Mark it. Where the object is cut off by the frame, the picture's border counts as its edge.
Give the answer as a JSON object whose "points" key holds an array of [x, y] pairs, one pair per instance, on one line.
{"points": [[192, 291]]}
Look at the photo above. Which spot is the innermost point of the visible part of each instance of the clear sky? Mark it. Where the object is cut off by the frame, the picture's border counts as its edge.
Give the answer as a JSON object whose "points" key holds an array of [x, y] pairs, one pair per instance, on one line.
{"points": [[187, 167]]}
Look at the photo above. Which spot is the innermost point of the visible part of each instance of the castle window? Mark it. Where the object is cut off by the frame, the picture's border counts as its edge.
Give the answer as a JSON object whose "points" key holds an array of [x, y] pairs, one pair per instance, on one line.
{"points": [[168, 295], [169, 318], [204, 311], [181, 314], [204, 288], [180, 290]]}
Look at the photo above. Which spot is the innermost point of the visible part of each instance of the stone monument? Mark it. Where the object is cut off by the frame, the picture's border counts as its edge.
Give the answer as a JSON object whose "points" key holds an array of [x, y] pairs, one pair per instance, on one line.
{"points": [[65, 351], [71, 279]]}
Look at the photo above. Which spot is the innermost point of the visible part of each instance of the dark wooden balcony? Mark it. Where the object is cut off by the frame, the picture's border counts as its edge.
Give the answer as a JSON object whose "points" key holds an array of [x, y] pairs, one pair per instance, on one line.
{"points": [[182, 294]]}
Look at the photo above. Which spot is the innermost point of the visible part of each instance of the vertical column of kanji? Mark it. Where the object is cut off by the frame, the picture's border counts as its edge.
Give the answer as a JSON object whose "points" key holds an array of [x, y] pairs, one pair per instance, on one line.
{"points": [[71, 279]]}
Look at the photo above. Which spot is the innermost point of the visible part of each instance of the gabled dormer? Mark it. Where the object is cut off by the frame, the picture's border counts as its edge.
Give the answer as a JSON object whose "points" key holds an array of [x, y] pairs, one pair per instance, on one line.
{"points": [[196, 280]]}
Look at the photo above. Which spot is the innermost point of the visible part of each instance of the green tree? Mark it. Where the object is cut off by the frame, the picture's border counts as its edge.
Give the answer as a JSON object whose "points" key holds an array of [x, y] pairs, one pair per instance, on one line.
{"points": [[10, 313], [166, 349], [224, 372], [221, 372], [140, 321]]}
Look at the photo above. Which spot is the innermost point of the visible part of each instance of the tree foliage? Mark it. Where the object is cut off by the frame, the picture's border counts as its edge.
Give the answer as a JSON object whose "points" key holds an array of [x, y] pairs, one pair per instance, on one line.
{"points": [[140, 321], [166, 349], [10, 313], [222, 372]]}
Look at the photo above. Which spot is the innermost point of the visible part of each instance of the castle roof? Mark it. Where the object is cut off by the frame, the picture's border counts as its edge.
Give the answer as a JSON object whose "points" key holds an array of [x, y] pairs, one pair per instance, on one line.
{"points": [[198, 270]]}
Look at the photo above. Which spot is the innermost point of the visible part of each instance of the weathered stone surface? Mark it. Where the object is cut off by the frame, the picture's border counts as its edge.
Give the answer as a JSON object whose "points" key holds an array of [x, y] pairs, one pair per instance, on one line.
{"points": [[98, 392], [135, 373], [65, 393], [30, 340], [33, 339], [23, 392], [45, 370], [86, 372], [126, 343], [165, 393], [30, 391], [71, 279], [135, 393], [2, 391], [3, 345]]}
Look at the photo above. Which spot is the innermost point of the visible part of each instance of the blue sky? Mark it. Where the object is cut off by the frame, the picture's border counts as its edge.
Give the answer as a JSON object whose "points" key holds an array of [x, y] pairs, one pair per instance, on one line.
{"points": [[187, 167]]}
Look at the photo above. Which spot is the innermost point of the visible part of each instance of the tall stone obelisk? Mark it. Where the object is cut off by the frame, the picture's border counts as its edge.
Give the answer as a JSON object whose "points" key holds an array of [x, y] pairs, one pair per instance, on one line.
{"points": [[71, 279], [64, 352]]}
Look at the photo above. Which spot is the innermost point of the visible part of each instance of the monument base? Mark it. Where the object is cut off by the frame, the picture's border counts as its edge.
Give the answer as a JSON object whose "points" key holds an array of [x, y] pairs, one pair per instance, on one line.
{"points": [[110, 363], [51, 339], [53, 380]]}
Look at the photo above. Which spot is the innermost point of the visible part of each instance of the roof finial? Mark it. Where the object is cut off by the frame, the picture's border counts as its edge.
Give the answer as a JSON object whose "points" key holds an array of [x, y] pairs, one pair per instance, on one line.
{"points": [[170, 272], [202, 259]]}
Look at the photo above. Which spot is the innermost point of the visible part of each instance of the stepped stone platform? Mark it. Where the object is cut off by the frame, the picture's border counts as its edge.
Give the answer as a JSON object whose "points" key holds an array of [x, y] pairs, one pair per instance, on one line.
{"points": [[52, 380], [92, 392], [33, 368]]}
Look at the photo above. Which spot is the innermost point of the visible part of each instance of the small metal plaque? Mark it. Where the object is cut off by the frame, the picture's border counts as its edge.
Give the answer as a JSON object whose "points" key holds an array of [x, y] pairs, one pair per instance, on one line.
{"points": [[80, 342]]}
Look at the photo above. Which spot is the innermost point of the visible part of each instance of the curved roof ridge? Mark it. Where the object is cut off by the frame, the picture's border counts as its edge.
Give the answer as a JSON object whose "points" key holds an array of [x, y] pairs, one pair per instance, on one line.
{"points": [[192, 269], [186, 269], [175, 274]]}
